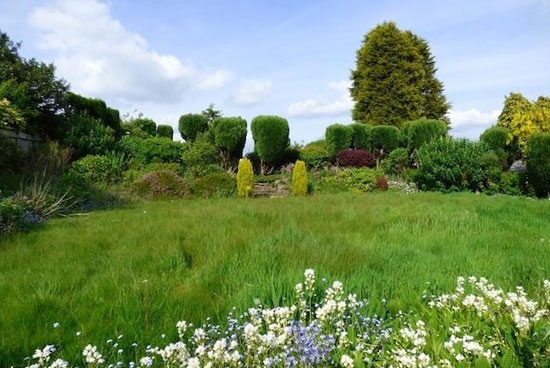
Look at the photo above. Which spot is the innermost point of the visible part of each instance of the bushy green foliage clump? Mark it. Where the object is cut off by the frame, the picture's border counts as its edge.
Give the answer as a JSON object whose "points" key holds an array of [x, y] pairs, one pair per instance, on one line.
{"points": [[361, 138], [538, 163], [359, 179], [96, 169], [384, 140], [316, 154], [230, 137], [397, 161], [419, 132], [165, 131], [338, 137], [201, 157], [245, 178], [455, 165], [192, 125], [497, 138], [88, 136], [216, 185], [152, 150]]}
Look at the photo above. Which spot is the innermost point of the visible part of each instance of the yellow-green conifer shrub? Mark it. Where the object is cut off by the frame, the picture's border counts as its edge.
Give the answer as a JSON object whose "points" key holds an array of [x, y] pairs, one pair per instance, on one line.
{"points": [[245, 178], [299, 179]]}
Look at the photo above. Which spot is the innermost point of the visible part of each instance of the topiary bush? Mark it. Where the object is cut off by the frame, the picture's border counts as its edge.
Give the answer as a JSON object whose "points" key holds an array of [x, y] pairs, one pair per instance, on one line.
{"points": [[299, 179], [497, 139], [538, 163], [215, 185], [161, 184], [397, 161], [385, 139], [245, 178], [271, 139], [230, 137], [455, 165], [165, 131], [354, 158], [420, 132], [361, 138], [191, 125], [338, 137], [315, 154]]}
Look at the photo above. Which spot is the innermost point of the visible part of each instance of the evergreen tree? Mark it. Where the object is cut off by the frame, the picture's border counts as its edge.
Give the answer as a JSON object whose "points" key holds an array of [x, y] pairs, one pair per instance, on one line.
{"points": [[394, 80]]}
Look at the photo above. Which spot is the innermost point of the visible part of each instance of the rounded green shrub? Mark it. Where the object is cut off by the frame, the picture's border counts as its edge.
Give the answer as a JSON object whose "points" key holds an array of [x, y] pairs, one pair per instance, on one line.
{"points": [[216, 185], [420, 132], [230, 137], [385, 138], [299, 179], [245, 178], [165, 131], [359, 179], [316, 154], [152, 150], [191, 125], [338, 137], [271, 139], [497, 139], [161, 184], [95, 169], [361, 138], [538, 163], [448, 164], [397, 161]]}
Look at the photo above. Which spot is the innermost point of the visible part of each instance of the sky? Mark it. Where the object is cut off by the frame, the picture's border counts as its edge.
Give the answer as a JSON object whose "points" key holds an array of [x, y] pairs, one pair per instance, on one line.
{"points": [[165, 58]]}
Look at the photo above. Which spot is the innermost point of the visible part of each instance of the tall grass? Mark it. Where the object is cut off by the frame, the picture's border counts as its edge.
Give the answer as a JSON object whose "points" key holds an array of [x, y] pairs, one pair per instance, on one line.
{"points": [[136, 270]]}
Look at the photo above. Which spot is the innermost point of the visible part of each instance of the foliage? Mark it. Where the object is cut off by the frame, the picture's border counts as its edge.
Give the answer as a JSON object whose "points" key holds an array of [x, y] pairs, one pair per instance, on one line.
{"points": [[165, 131], [191, 125], [245, 178], [33, 90], [96, 169], [230, 136], [360, 179], [397, 162], [384, 140], [382, 183], [455, 165], [394, 80], [421, 131], [514, 104], [10, 117], [361, 138], [538, 163], [509, 183], [200, 155], [12, 216], [315, 154], [211, 114], [354, 158], [152, 150], [497, 139], [93, 108], [338, 137], [87, 136], [161, 184], [140, 127], [299, 179], [215, 185], [270, 135]]}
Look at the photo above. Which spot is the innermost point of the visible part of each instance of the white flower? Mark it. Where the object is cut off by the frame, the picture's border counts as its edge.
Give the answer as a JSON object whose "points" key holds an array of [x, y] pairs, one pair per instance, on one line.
{"points": [[346, 361], [146, 361], [59, 363]]}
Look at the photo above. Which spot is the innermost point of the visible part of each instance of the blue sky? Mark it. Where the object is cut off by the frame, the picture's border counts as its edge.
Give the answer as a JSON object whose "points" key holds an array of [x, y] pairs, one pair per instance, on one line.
{"points": [[290, 58]]}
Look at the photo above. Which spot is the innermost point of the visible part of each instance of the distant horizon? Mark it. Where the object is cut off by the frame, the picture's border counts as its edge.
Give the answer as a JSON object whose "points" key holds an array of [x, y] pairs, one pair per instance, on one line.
{"points": [[279, 58]]}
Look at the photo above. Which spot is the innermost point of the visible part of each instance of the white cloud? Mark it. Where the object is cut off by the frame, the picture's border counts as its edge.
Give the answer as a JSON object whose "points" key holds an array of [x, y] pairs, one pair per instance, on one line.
{"points": [[251, 92], [471, 123], [313, 107], [99, 57]]}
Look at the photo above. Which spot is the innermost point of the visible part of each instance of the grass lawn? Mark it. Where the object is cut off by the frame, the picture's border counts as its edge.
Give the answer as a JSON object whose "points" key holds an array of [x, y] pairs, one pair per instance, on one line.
{"points": [[137, 270]]}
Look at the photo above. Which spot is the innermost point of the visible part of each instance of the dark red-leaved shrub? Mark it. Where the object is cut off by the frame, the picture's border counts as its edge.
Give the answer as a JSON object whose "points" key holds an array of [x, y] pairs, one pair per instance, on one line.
{"points": [[381, 183], [354, 158]]}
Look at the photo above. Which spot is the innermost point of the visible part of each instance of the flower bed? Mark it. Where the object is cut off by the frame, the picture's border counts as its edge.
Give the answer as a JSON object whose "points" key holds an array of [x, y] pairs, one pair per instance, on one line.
{"points": [[478, 325]]}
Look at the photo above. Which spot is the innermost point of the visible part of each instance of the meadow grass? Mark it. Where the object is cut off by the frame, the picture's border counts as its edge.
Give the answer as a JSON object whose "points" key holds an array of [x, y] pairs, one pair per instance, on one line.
{"points": [[137, 270]]}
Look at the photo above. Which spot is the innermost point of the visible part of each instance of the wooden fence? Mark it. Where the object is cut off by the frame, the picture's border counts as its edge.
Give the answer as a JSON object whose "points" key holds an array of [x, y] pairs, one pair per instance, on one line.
{"points": [[23, 141]]}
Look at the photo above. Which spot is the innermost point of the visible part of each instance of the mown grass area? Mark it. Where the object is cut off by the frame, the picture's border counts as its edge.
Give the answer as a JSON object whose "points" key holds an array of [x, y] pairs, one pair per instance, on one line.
{"points": [[137, 270]]}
